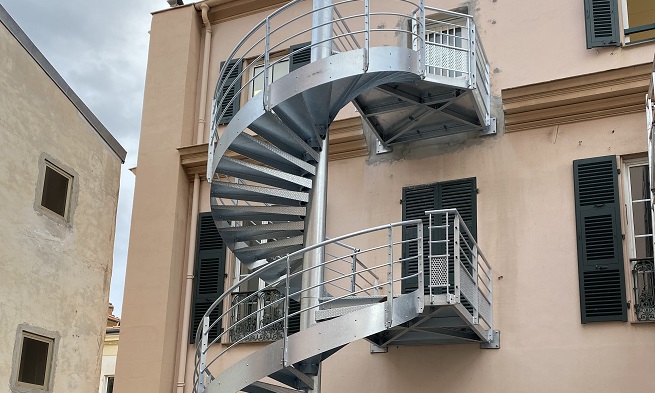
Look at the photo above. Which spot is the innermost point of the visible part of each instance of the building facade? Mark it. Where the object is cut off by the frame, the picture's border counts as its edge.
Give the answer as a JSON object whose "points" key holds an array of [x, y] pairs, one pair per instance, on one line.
{"points": [[556, 194], [60, 180]]}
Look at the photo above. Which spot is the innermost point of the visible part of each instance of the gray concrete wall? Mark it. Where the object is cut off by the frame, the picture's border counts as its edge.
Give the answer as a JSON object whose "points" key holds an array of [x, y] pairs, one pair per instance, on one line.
{"points": [[54, 273]]}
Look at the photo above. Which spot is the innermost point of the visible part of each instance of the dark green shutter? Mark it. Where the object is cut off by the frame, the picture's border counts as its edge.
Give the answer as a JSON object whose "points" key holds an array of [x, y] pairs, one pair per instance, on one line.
{"points": [[234, 68], [602, 23], [209, 277], [301, 55], [456, 194], [600, 253]]}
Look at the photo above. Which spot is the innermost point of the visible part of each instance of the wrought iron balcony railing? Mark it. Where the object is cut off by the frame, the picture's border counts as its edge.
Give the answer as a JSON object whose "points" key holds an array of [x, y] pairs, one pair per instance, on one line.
{"points": [[643, 284]]}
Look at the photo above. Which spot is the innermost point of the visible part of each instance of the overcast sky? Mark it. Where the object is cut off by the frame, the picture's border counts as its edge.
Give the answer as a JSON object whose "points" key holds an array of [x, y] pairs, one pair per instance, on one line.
{"points": [[100, 48]]}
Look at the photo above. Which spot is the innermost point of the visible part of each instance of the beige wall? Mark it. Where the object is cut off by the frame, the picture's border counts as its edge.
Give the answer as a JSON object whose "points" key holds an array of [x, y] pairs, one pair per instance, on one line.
{"points": [[525, 206], [53, 275]]}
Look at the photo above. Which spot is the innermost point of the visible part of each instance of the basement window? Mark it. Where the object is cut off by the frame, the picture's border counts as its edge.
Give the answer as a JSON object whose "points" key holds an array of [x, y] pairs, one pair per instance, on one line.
{"points": [[56, 190], [35, 361]]}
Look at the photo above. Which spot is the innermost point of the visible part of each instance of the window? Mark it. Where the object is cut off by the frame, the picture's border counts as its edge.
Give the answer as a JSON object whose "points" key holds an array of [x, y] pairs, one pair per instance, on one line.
{"points": [[56, 190], [640, 237], [638, 20], [602, 22], [253, 312], [110, 384], [275, 72], [456, 194], [34, 360]]}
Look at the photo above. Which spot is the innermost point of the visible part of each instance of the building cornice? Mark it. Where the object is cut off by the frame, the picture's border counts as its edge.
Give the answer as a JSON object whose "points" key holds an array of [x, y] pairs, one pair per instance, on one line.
{"points": [[581, 98], [346, 141]]}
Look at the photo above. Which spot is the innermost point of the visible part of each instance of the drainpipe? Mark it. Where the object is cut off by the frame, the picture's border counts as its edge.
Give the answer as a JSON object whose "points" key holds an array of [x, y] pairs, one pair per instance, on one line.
{"points": [[191, 253]]}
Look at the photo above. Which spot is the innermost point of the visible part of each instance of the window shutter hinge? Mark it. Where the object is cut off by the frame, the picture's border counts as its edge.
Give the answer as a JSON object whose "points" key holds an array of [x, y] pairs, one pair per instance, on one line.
{"points": [[477, 190], [623, 236], [618, 171], [401, 201]]}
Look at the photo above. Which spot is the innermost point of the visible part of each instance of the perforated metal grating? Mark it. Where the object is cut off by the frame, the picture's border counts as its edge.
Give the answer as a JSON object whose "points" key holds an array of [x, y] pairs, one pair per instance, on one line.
{"points": [[438, 272], [468, 287]]}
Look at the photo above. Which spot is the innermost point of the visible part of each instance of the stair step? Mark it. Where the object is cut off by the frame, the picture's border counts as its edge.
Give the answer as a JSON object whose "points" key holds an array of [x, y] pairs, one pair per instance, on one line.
{"points": [[263, 387], [277, 133], [337, 312], [293, 377], [262, 174], [263, 231], [270, 249], [260, 213], [294, 113], [268, 154], [349, 301], [245, 192]]}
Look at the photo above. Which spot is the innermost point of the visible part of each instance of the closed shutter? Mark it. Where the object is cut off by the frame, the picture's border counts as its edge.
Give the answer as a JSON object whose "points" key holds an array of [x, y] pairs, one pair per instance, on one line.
{"points": [[600, 253], [209, 276], [234, 68], [301, 55], [457, 194], [602, 23]]}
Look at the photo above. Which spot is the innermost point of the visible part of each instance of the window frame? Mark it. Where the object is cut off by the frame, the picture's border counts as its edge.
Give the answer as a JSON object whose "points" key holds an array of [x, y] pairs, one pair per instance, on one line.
{"points": [[69, 190], [46, 161], [630, 237], [625, 26], [34, 333]]}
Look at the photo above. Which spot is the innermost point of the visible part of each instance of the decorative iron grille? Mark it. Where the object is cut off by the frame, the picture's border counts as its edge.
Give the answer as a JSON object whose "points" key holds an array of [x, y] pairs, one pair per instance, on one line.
{"points": [[255, 311], [643, 283]]}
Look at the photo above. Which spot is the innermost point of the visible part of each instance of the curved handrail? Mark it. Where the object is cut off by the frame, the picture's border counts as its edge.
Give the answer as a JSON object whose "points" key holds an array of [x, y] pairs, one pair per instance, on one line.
{"points": [[283, 264]]}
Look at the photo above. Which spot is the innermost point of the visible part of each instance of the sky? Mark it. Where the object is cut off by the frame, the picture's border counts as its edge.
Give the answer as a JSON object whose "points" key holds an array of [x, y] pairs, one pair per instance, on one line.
{"points": [[100, 48]]}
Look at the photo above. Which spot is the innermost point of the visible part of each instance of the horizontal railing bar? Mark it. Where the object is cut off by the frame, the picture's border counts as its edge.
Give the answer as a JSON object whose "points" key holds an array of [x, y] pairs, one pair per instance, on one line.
{"points": [[406, 259], [406, 241], [447, 12]]}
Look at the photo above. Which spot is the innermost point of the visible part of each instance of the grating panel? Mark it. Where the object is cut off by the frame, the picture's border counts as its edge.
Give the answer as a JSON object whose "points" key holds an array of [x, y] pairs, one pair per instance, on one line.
{"points": [[438, 272], [484, 309], [467, 286]]}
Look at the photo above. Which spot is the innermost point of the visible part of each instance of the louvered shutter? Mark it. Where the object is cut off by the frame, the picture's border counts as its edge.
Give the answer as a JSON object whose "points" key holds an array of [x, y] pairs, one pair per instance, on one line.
{"points": [[600, 253], [209, 276], [234, 68], [602, 23], [301, 55], [456, 194]]}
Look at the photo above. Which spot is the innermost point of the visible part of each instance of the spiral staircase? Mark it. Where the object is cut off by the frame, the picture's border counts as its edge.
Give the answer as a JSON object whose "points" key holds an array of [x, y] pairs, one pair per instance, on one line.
{"points": [[422, 79]]}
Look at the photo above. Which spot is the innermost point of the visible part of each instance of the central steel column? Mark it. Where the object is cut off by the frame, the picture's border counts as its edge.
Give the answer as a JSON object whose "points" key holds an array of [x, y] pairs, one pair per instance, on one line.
{"points": [[316, 216]]}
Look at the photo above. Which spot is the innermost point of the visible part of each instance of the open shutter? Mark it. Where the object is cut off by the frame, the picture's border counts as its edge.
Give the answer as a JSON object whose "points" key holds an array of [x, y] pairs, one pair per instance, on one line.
{"points": [[228, 93], [600, 253], [301, 55], [456, 194], [602, 23], [209, 274]]}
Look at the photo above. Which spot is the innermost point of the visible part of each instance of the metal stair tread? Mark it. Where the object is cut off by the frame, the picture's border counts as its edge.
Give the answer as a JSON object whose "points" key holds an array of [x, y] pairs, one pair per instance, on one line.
{"points": [[269, 154], [263, 387], [256, 193], [273, 244], [329, 313], [263, 174]]}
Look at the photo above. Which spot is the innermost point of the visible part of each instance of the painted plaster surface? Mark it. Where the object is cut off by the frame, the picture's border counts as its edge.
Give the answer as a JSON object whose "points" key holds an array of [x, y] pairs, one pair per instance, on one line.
{"points": [[54, 274]]}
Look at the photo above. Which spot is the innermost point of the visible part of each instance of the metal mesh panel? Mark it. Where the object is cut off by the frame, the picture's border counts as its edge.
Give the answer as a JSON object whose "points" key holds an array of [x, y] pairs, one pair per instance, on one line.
{"points": [[484, 309], [467, 286], [438, 271], [447, 59]]}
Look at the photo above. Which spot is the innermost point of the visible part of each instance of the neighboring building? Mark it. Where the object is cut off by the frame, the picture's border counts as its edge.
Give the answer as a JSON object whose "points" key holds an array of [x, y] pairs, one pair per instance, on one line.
{"points": [[59, 176], [540, 145], [109, 352]]}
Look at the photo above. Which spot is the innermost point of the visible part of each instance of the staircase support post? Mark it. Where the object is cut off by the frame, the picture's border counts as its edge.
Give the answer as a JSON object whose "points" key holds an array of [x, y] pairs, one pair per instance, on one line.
{"points": [[317, 206]]}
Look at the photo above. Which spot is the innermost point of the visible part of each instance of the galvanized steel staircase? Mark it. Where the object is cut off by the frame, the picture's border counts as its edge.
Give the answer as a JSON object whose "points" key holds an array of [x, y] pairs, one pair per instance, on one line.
{"points": [[263, 165]]}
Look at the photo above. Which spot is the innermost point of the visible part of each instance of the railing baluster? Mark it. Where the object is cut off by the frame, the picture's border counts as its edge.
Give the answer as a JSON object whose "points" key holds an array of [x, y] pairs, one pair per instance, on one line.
{"points": [[389, 303], [421, 39], [456, 259], [475, 301], [285, 335], [353, 271], [367, 32], [267, 61], [203, 354], [419, 239]]}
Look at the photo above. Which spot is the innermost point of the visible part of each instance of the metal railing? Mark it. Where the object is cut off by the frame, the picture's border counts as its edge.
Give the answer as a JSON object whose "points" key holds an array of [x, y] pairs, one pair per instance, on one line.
{"points": [[643, 285], [356, 25], [381, 247], [457, 266]]}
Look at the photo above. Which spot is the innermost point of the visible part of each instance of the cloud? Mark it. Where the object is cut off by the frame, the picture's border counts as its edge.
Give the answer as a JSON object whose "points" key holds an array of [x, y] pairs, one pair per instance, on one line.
{"points": [[100, 49]]}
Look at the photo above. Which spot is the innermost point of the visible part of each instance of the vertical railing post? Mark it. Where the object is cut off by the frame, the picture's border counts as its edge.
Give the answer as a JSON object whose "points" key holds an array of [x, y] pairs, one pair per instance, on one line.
{"points": [[203, 354], [475, 301], [367, 32], [285, 349], [389, 308], [430, 253], [267, 61], [419, 255], [491, 305], [421, 39], [470, 27], [456, 259], [353, 270]]}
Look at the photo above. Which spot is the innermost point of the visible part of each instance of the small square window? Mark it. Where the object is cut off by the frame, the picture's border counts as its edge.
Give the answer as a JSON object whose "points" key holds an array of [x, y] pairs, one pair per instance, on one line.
{"points": [[56, 190], [110, 384], [35, 361]]}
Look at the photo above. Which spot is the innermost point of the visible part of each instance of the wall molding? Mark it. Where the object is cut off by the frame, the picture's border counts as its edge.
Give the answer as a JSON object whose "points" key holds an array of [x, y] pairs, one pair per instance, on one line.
{"points": [[581, 98]]}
